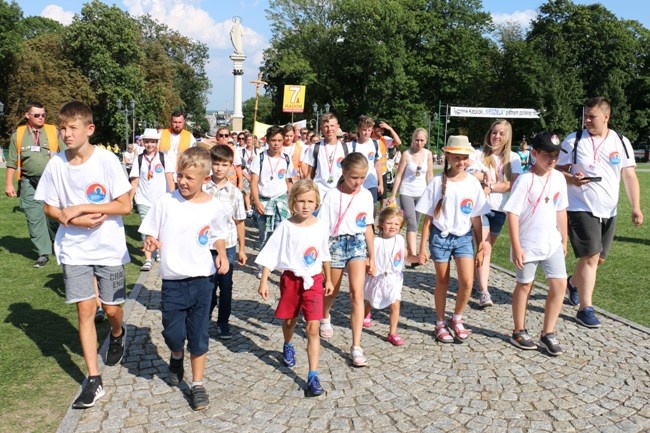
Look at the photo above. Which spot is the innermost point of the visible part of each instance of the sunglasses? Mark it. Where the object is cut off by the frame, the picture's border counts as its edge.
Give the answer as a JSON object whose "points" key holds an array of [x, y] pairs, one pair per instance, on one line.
{"points": [[241, 138], [37, 115], [223, 135]]}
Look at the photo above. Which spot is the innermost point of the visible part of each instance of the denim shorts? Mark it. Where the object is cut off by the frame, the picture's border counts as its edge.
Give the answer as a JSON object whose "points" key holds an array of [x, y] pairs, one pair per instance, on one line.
{"points": [[78, 280], [344, 248], [442, 248], [494, 220]]}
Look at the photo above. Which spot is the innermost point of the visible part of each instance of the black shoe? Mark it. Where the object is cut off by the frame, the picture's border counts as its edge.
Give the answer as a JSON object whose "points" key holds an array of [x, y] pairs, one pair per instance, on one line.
{"points": [[175, 371], [549, 342], [116, 348], [92, 390], [200, 398], [41, 261], [99, 315], [522, 340], [224, 332]]}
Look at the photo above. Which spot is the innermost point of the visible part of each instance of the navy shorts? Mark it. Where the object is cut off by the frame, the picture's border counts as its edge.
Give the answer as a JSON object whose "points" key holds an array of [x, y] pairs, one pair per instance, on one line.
{"points": [[495, 220]]}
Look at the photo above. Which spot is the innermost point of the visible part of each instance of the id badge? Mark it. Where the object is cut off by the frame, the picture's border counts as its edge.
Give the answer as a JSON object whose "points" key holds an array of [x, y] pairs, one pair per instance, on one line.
{"points": [[35, 148]]}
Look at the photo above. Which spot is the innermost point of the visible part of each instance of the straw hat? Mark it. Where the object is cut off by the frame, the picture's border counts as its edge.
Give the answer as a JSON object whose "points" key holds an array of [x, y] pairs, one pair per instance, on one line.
{"points": [[458, 144], [150, 134]]}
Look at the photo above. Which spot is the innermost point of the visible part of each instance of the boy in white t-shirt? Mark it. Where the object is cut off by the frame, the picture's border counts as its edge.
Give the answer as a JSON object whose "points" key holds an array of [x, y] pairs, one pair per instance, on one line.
{"points": [[85, 190], [537, 220], [322, 162], [370, 149], [186, 224]]}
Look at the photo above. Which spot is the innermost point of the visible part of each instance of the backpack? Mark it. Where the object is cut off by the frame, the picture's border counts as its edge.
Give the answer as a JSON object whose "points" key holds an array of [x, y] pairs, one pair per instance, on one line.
{"points": [[345, 150], [286, 158], [160, 154], [243, 156], [579, 136]]}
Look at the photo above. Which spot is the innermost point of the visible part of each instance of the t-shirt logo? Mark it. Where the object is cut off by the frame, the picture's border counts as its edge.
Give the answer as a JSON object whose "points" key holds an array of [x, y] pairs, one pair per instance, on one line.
{"points": [[466, 206], [360, 220], [397, 260], [310, 255], [371, 156], [202, 236], [614, 158], [159, 168], [556, 197], [96, 192], [339, 161], [281, 173]]}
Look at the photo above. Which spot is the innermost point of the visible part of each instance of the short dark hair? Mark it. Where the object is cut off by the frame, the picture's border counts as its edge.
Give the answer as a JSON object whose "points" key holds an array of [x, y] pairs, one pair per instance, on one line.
{"points": [[33, 104], [222, 153], [274, 130], [600, 102], [178, 113]]}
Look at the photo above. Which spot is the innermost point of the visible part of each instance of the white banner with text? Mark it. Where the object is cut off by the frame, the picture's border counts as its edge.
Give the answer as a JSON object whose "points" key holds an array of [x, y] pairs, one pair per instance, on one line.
{"points": [[519, 113]]}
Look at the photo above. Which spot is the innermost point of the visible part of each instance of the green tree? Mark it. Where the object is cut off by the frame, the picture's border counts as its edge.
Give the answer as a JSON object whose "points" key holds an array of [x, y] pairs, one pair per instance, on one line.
{"points": [[32, 27], [264, 111], [10, 41]]}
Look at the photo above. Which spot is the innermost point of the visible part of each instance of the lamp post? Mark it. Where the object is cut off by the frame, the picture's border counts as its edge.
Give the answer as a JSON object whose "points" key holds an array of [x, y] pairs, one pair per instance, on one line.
{"points": [[318, 113], [2, 109], [126, 119]]}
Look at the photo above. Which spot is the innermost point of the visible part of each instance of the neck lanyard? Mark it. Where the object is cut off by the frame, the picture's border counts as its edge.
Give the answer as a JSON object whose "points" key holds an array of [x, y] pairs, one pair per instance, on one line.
{"points": [[339, 220], [548, 177], [330, 161], [596, 148], [149, 162], [273, 171], [391, 257], [36, 136]]}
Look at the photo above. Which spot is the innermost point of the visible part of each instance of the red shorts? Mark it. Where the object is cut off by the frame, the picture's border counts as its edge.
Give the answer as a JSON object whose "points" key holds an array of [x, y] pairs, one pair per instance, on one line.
{"points": [[293, 298]]}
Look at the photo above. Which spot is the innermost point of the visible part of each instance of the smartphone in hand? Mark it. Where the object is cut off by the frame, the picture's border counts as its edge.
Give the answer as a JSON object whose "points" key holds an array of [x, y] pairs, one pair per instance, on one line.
{"points": [[593, 178]]}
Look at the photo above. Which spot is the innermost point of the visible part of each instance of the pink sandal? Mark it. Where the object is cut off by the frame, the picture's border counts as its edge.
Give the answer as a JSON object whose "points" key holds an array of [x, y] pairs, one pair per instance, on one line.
{"points": [[367, 321], [461, 333], [396, 340], [443, 335]]}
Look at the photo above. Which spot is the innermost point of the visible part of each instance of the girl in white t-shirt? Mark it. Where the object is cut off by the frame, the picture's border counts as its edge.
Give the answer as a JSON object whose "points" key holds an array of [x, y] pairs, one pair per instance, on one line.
{"points": [[453, 204], [299, 247], [385, 288], [347, 211]]}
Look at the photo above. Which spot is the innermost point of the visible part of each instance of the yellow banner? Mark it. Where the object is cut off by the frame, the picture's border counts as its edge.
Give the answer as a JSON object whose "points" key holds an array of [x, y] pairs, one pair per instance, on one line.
{"points": [[294, 99], [260, 129]]}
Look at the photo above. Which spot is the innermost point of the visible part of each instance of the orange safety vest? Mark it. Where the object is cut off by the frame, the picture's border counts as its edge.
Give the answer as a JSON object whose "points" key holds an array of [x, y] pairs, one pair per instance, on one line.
{"points": [[52, 134], [166, 140]]}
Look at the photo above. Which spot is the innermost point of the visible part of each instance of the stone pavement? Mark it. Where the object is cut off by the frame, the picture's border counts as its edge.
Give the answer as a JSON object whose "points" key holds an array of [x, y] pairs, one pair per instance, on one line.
{"points": [[601, 383]]}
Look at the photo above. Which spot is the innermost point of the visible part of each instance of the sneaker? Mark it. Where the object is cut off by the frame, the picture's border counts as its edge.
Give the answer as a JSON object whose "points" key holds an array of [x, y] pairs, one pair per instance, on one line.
{"points": [[314, 388], [224, 332], [356, 354], [289, 355], [92, 390], [99, 315], [587, 317], [175, 371], [156, 255], [367, 321], [200, 398], [41, 261], [146, 266], [549, 342], [116, 348], [522, 340], [485, 300], [574, 299]]}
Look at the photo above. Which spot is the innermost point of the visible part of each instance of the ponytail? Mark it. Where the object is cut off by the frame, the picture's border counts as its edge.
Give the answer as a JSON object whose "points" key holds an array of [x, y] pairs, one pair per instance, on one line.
{"points": [[436, 212]]}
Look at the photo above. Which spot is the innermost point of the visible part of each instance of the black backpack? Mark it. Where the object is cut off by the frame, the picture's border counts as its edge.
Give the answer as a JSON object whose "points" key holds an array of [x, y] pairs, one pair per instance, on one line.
{"points": [[579, 136], [286, 158], [160, 155], [345, 150]]}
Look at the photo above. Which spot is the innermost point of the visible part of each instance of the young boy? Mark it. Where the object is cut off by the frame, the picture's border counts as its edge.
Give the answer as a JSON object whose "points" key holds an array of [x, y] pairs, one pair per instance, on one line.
{"points": [[84, 188], [187, 223], [537, 221], [370, 149], [223, 190]]}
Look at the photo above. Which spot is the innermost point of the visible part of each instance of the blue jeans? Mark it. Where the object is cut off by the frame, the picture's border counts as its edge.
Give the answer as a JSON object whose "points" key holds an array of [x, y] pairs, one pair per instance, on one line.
{"points": [[224, 284]]}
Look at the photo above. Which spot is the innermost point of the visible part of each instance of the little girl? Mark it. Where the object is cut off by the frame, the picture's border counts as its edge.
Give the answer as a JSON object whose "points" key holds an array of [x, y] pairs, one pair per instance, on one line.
{"points": [[347, 212], [385, 288], [453, 204], [299, 247]]}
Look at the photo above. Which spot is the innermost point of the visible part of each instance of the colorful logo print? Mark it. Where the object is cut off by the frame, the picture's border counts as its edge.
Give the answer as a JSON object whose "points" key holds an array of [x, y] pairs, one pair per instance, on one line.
{"points": [[615, 158], [556, 197], [466, 206], [159, 168], [203, 236], [339, 161], [360, 220], [96, 192], [371, 156], [282, 173], [397, 260], [310, 255]]}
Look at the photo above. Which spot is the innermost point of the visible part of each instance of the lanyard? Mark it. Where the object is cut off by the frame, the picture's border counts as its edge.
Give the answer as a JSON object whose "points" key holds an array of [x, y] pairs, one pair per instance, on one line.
{"points": [[36, 135], [273, 170], [593, 145], [330, 159], [548, 177], [335, 232], [149, 162]]}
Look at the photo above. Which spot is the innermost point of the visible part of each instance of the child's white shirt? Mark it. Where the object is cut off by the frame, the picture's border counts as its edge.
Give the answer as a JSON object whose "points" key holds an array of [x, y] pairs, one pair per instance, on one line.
{"points": [[386, 288], [150, 190], [299, 249], [186, 231], [99, 180], [539, 236], [272, 178], [463, 200], [351, 212]]}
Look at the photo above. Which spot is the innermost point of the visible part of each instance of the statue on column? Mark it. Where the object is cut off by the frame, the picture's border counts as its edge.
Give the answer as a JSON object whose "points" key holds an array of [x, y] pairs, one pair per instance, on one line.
{"points": [[237, 35]]}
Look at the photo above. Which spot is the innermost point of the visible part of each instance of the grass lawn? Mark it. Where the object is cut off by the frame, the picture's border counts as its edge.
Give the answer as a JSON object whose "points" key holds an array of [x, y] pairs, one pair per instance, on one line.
{"points": [[41, 364]]}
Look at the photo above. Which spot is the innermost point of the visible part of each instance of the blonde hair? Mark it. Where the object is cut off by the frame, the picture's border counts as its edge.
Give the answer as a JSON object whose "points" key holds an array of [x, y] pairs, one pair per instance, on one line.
{"points": [[417, 132], [391, 212], [301, 187], [195, 157], [354, 159], [506, 149]]}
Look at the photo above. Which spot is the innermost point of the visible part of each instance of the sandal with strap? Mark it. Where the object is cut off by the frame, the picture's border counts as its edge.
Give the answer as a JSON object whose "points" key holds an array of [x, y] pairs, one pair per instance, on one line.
{"points": [[326, 330], [358, 360], [367, 321], [396, 340], [460, 332], [443, 335]]}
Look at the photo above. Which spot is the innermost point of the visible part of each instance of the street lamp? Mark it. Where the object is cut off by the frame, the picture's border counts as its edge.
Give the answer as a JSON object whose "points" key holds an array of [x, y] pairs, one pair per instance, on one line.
{"points": [[2, 108], [318, 113], [126, 119]]}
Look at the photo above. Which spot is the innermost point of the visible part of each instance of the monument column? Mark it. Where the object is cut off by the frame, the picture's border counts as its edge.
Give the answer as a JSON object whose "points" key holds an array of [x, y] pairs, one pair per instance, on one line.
{"points": [[237, 57]]}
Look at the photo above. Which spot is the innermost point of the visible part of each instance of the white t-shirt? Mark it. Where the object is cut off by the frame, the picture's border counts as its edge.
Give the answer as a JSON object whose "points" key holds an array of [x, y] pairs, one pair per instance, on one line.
{"points": [[347, 214], [299, 249], [246, 156], [536, 200], [497, 200], [186, 231], [386, 288], [233, 200], [328, 169], [150, 190], [368, 150], [463, 200], [273, 176], [99, 180], [595, 158]]}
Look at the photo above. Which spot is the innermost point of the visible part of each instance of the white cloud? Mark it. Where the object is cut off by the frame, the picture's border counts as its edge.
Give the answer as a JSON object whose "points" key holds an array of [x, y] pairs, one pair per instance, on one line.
{"points": [[523, 18], [58, 14]]}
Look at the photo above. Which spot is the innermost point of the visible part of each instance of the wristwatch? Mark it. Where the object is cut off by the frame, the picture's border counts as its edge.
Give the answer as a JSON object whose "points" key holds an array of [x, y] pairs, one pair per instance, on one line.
{"points": [[491, 186]]}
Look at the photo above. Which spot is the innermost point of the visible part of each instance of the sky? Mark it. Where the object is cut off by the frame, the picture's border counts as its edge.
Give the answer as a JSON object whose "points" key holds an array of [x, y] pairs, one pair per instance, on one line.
{"points": [[209, 21]]}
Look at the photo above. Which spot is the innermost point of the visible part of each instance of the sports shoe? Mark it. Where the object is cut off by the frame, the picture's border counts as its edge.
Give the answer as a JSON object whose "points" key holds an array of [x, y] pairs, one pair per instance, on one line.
{"points": [[485, 300], [224, 332], [314, 388], [549, 342], [99, 315], [574, 299], [289, 355], [92, 390], [356, 354], [200, 398], [116, 348], [146, 266], [41, 261], [175, 371], [587, 317], [522, 340]]}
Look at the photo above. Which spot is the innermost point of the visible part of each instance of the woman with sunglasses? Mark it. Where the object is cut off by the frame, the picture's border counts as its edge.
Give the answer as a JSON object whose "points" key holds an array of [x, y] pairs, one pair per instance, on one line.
{"points": [[414, 172]]}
